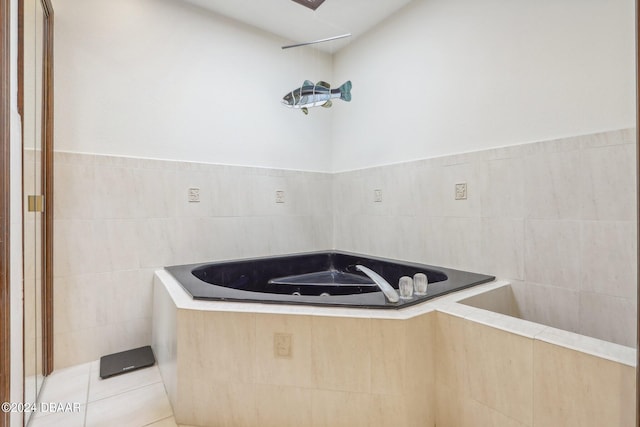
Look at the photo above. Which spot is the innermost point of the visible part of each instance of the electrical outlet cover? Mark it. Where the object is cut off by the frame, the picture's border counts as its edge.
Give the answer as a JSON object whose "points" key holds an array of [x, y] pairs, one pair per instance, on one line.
{"points": [[461, 191], [282, 345]]}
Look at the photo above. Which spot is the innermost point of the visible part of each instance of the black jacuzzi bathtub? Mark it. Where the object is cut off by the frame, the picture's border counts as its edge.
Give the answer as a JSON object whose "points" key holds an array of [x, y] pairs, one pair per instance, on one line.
{"points": [[316, 278]]}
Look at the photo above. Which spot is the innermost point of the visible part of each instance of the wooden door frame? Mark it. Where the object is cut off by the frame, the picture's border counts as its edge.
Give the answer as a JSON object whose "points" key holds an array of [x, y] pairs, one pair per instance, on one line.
{"points": [[47, 188], [47, 175], [5, 193], [5, 222]]}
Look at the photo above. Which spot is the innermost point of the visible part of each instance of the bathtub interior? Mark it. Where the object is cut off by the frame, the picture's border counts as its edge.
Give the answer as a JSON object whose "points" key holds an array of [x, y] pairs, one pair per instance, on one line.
{"points": [[315, 278], [277, 274]]}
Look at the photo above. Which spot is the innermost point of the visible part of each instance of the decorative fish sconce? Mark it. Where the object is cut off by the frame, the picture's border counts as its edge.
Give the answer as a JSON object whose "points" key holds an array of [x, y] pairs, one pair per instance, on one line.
{"points": [[316, 95]]}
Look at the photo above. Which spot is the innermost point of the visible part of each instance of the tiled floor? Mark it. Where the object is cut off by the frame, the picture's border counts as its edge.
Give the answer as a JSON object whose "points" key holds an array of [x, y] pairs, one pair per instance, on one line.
{"points": [[135, 399]]}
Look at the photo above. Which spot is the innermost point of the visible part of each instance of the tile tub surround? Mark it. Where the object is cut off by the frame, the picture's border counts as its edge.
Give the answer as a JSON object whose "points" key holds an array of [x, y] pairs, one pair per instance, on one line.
{"points": [[469, 366], [117, 219], [504, 370], [490, 375], [346, 368], [556, 215]]}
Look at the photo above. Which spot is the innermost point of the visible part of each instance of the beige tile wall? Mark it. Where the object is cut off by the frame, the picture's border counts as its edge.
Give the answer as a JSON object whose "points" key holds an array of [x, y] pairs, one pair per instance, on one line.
{"points": [[571, 388], [490, 377], [550, 216], [118, 219], [342, 371], [437, 368], [554, 217]]}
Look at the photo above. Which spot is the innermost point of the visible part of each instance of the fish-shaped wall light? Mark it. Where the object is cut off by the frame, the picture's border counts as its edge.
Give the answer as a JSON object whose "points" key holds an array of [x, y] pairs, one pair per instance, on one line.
{"points": [[315, 95]]}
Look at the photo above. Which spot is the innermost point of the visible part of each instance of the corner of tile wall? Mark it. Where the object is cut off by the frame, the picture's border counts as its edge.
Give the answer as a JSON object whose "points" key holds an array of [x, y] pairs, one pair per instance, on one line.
{"points": [[558, 214], [116, 219]]}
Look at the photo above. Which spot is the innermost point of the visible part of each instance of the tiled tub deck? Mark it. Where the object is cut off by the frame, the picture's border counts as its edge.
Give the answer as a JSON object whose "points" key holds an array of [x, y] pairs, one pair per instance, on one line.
{"points": [[443, 362]]}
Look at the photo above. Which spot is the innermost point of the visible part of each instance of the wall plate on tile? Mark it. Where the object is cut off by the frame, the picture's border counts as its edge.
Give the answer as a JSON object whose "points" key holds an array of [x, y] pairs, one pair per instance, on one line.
{"points": [[461, 191], [377, 196], [193, 195], [282, 345], [279, 196]]}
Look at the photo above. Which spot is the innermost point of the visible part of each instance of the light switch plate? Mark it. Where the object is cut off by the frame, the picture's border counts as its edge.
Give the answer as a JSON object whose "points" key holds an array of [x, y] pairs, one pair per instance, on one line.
{"points": [[461, 191], [377, 196], [193, 195], [279, 196]]}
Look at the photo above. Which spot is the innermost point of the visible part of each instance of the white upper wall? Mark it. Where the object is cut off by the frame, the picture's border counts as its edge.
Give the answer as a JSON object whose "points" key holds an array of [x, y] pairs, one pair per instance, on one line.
{"points": [[164, 79], [450, 76]]}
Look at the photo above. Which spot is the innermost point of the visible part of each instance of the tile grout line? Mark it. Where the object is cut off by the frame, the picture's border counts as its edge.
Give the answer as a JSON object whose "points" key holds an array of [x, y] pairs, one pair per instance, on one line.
{"points": [[158, 420], [134, 388], [533, 377], [86, 403]]}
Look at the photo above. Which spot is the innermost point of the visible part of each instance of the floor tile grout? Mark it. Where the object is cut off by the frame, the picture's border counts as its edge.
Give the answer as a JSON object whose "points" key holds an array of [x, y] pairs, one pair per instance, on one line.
{"points": [[158, 420], [124, 392], [85, 401]]}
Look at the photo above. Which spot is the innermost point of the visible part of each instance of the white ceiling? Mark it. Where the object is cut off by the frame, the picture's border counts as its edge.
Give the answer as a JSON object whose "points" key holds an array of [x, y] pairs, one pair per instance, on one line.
{"points": [[298, 24]]}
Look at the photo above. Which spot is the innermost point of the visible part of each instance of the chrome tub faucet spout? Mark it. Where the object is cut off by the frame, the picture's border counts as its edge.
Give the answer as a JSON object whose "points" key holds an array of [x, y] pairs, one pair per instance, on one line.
{"points": [[384, 286]]}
